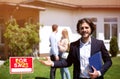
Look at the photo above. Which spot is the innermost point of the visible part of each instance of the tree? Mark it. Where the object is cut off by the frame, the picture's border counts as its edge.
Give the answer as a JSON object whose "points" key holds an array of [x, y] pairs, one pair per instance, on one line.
{"points": [[21, 40], [114, 46]]}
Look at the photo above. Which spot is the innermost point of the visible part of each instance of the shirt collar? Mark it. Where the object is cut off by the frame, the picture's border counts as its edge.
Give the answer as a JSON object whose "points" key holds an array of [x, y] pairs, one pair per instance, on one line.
{"points": [[88, 42]]}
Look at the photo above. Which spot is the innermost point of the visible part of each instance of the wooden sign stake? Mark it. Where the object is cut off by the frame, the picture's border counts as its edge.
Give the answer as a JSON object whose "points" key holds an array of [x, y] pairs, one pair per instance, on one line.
{"points": [[21, 76]]}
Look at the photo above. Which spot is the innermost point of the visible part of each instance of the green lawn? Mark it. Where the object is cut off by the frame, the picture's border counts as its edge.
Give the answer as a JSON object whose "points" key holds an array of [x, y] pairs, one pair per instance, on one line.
{"points": [[114, 71], [42, 72]]}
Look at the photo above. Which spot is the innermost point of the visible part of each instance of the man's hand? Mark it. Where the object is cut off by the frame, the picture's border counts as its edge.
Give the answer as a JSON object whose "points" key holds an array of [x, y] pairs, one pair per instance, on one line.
{"points": [[94, 74], [57, 58], [47, 61]]}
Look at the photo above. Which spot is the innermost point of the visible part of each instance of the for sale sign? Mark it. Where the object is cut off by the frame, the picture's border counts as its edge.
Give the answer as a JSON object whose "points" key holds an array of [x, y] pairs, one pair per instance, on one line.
{"points": [[21, 65]]}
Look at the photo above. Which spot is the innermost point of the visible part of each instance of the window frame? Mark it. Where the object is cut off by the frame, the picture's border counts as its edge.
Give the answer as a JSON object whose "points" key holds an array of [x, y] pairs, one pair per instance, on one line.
{"points": [[110, 22]]}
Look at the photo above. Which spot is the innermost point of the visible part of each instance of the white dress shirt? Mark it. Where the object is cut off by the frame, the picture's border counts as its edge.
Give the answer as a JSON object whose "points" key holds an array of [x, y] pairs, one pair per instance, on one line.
{"points": [[85, 50]]}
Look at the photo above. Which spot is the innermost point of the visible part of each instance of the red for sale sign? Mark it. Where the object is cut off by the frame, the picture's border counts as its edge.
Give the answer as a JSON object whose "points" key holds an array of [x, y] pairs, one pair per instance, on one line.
{"points": [[21, 65]]}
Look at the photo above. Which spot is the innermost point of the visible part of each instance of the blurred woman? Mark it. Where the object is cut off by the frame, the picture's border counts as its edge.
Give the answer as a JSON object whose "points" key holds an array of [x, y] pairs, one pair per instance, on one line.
{"points": [[63, 46]]}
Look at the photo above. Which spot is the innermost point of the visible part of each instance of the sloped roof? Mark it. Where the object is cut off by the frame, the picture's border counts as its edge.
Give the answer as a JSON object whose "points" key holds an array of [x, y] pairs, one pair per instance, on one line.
{"points": [[73, 3], [12, 1], [87, 3], [18, 3]]}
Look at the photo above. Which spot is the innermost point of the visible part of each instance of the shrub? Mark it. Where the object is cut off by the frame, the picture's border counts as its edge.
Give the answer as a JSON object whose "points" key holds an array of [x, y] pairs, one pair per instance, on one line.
{"points": [[21, 40], [114, 46], [6, 63]]}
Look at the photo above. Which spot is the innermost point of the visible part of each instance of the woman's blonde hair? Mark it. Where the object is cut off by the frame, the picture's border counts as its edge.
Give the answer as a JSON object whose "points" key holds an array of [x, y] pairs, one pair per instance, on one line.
{"points": [[65, 33]]}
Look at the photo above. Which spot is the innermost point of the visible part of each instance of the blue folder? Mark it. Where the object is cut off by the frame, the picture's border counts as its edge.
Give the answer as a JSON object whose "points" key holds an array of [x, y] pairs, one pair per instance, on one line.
{"points": [[96, 60]]}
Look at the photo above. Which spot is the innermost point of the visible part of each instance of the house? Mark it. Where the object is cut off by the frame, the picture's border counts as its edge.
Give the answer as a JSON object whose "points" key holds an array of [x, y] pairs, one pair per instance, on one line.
{"points": [[104, 13]]}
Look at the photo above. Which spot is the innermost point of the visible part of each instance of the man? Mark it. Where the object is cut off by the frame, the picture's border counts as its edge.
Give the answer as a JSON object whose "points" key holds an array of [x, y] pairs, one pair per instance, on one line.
{"points": [[54, 49], [80, 52]]}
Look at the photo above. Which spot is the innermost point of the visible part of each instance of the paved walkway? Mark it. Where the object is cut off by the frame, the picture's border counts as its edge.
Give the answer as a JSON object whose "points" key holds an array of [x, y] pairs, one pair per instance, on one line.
{"points": [[1, 62], [118, 55]]}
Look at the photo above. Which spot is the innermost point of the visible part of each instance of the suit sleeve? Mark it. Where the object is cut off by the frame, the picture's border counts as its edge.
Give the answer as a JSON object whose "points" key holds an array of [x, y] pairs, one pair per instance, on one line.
{"points": [[66, 62], [106, 59]]}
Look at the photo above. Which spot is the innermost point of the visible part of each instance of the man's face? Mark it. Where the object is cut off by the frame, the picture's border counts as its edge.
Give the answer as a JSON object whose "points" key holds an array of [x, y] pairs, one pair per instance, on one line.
{"points": [[85, 30]]}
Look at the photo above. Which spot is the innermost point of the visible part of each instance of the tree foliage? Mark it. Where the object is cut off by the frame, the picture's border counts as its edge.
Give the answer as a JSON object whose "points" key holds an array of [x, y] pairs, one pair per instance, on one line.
{"points": [[21, 40], [114, 47]]}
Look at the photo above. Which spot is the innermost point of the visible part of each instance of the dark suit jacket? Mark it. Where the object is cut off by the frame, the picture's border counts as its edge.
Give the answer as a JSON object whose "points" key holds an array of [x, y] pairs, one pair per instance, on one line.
{"points": [[74, 57]]}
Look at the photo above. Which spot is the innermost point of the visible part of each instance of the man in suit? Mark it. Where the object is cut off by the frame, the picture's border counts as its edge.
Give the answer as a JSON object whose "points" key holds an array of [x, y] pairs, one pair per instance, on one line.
{"points": [[80, 52]]}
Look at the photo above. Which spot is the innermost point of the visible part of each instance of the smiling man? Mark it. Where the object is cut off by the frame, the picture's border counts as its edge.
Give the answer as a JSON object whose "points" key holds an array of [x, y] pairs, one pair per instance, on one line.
{"points": [[80, 52]]}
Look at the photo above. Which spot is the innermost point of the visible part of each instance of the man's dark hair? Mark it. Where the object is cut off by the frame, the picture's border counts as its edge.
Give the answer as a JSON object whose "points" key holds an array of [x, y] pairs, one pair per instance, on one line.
{"points": [[54, 27], [88, 21]]}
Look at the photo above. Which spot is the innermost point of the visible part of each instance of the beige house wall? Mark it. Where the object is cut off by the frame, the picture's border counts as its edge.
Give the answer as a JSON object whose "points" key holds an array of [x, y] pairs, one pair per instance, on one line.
{"points": [[68, 18]]}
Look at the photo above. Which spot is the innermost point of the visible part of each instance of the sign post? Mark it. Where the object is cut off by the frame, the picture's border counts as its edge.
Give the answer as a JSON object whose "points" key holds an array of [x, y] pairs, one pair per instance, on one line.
{"points": [[21, 76], [20, 65]]}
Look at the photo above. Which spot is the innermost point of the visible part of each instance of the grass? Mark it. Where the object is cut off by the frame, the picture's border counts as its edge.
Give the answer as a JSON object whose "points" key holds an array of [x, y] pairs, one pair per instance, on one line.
{"points": [[42, 72], [114, 71]]}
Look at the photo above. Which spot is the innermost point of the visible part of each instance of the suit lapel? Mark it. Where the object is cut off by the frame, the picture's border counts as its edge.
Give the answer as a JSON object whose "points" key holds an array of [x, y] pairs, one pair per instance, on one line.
{"points": [[78, 49], [93, 45]]}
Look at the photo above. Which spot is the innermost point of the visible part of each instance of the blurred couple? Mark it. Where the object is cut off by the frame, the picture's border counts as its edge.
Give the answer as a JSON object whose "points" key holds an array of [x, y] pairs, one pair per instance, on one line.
{"points": [[59, 51]]}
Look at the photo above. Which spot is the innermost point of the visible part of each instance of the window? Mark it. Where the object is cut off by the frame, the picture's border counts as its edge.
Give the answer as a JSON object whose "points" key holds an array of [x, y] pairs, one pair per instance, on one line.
{"points": [[114, 30], [94, 33], [21, 22], [94, 20], [110, 28], [2, 28], [2, 31], [107, 31]]}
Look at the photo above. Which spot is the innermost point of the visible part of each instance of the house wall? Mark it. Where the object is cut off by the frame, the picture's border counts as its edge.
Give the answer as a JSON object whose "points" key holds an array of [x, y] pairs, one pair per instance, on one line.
{"points": [[56, 16], [62, 17], [69, 18]]}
